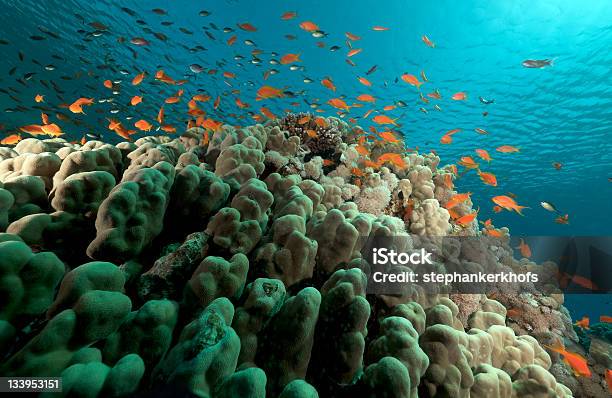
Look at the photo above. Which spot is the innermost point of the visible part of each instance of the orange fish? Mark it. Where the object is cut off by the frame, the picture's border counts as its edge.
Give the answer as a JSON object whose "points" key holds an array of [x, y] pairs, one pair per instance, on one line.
{"points": [[497, 209], [354, 51], [467, 219], [507, 149], [266, 112], [366, 98], [460, 96], [388, 107], [481, 131], [506, 202], [446, 139], [457, 199], [483, 154], [364, 81], [168, 128], [562, 219], [557, 165], [495, 233], [427, 41], [247, 26], [52, 129], [379, 28], [339, 104], [412, 80], [288, 15], [241, 104], [229, 75], [77, 106], [524, 248], [575, 361], [138, 79], [135, 100], [232, 40], [383, 119], [172, 100], [39, 98], [351, 36], [328, 83], [108, 84], [609, 379], [583, 323], [143, 125], [303, 120], [488, 178], [394, 158], [266, 92], [161, 76], [389, 137], [217, 102], [201, 97], [435, 95], [160, 115], [309, 26], [468, 162], [605, 319], [448, 181], [321, 122], [11, 139]]}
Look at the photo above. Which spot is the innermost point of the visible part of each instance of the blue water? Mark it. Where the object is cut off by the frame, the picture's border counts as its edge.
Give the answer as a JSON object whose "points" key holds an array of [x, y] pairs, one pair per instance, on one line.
{"points": [[558, 114]]}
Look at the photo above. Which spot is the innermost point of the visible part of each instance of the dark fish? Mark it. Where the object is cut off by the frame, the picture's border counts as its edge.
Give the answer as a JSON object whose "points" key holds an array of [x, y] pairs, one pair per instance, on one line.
{"points": [[537, 63], [204, 13], [21, 56], [128, 11], [186, 31], [486, 101], [160, 36], [371, 70], [148, 30], [38, 38], [290, 37], [141, 22], [212, 25], [134, 53], [196, 68], [28, 75], [57, 57], [98, 25], [48, 32], [159, 11], [4, 42], [210, 35], [227, 30], [12, 71], [139, 41], [334, 48], [167, 23]]}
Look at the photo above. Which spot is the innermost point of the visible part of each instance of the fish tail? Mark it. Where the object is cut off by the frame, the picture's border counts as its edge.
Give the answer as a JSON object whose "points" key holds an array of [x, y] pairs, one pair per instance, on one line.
{"points": [[519, 209]]}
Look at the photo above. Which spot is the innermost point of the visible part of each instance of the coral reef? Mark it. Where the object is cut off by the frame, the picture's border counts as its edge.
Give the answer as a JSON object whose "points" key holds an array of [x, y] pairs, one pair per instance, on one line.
{"points": [[234, 266]]}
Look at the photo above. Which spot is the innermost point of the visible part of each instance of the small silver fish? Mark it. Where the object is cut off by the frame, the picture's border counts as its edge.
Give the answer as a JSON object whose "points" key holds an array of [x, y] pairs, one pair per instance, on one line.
{"points": [[549, 206], [537, 63], [195, 68]]}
